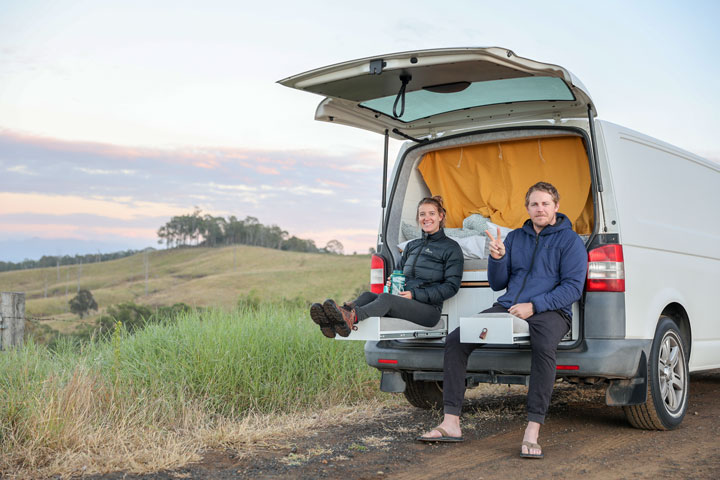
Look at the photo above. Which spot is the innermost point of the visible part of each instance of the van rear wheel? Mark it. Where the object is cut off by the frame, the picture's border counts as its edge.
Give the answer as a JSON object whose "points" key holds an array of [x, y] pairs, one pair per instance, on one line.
{"points": [[668, 382], [421, 394]]}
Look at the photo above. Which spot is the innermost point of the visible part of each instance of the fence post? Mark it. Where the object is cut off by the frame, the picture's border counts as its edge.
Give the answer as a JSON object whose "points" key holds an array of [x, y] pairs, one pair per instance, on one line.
{"points": [[12, 319]]}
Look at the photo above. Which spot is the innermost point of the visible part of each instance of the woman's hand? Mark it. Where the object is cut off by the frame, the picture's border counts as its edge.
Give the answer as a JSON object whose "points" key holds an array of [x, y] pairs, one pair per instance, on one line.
{"points": [[406, 294], [497, 247]]}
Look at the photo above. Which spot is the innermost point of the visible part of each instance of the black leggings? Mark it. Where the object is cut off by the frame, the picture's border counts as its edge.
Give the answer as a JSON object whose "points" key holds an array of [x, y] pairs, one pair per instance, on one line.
{"points": [[373, 305]]}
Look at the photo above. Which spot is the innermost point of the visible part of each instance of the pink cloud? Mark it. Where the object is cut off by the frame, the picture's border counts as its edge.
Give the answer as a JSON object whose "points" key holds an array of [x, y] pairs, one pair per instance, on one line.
{"points": [[80, 232], [266, 170]]}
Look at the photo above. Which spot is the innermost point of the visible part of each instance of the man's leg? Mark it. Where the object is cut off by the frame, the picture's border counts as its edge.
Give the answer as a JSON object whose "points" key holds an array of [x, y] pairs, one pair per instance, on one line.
{"points": [[454, 371], [546, 331]]}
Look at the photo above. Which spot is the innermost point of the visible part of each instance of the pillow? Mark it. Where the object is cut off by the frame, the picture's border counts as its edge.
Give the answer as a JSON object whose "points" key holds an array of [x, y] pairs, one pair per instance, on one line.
{"points": [[472, 246], [409, 231]]}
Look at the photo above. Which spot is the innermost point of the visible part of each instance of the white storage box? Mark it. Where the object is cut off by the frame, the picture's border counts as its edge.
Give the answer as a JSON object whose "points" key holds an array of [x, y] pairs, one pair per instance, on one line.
{"points": [[494, 328], [389, 328]]}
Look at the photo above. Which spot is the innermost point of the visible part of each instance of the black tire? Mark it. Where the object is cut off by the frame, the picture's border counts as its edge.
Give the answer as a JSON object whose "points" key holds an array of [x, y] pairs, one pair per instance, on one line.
{"points": [[425, 395], [668, 382]]}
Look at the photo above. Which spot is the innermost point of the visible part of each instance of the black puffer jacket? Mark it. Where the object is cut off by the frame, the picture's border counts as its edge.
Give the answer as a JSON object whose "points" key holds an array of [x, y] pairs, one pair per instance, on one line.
{"points": [[433, 268]]}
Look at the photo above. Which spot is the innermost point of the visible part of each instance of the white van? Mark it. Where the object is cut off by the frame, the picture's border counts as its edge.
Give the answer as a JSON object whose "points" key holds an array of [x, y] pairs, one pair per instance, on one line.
{"points": [[483, 125]]}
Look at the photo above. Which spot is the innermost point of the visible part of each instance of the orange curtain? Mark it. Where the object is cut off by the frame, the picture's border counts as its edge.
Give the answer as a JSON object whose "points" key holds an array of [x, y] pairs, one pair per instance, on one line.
{"points": [[492, 178]]}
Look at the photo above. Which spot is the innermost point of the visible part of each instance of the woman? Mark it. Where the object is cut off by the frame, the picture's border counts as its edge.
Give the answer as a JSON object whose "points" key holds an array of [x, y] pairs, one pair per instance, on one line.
{"points": [[433, 267]]}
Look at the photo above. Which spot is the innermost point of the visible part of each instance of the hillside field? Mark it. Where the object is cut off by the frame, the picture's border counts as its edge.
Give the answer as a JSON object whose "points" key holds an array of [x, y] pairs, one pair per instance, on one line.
{"points": [[209, 277]]}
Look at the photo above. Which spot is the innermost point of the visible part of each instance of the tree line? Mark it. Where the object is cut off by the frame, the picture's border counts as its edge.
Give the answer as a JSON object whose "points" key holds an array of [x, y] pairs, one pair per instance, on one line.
{"points": [[196, 229], [54, 261]]}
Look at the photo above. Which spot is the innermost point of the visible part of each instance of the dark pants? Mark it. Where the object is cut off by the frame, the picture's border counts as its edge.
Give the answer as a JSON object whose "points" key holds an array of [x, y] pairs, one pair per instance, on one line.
{"points": [[546, 331], [386, 305]]}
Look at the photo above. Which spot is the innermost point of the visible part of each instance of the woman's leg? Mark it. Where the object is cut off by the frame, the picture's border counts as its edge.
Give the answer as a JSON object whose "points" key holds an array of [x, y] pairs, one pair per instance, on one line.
{"points": [[395, 306], [365, 298]]}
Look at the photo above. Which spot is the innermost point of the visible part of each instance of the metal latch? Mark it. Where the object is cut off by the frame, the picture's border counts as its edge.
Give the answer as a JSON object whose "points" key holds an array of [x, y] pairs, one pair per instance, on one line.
{"points": [[376, 66]]}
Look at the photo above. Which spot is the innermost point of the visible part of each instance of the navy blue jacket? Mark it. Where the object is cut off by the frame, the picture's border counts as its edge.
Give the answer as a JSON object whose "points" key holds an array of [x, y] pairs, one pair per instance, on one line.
{"points": [[433, 268], [547, 269]]}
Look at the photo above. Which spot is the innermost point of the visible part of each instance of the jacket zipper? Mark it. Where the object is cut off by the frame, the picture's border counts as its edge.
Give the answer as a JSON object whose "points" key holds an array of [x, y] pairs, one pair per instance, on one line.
{"points": [[424, 244], [532, 261]]}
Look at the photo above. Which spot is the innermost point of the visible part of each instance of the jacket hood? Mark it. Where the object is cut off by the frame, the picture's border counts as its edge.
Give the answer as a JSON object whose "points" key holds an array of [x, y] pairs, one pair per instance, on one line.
{"points": [[561, 223]]}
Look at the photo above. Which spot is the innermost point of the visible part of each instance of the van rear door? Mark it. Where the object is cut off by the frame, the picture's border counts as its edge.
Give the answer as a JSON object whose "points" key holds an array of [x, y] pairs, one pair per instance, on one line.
{"points": [[431, 92]]}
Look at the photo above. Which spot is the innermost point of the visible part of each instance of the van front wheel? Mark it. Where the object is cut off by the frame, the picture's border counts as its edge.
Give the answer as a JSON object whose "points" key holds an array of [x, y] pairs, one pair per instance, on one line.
{"points": [[426, 395], [668, 380]]}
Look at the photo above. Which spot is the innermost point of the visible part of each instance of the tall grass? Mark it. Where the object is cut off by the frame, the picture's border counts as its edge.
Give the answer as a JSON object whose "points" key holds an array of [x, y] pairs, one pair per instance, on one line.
{"points": [[155, 386]]}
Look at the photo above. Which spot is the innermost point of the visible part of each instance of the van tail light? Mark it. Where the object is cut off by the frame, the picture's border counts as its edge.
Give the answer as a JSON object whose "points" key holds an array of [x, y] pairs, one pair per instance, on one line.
{"points": [[377, 274], [606, 269]]}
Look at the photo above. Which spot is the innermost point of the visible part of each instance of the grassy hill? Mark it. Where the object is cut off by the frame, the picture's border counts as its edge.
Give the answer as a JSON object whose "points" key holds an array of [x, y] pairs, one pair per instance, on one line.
{"points": [[195, 276]]}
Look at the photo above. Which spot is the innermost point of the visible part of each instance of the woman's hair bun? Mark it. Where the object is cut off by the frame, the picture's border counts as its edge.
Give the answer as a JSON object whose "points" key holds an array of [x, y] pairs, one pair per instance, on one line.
{"points": [[439, 199]]}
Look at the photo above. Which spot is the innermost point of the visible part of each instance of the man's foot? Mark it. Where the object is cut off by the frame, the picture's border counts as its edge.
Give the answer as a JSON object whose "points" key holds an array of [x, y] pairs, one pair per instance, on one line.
{"points": [[343, 321], [439, 434], [530, 447], [450, 427], [531, 450], [317, 313]]}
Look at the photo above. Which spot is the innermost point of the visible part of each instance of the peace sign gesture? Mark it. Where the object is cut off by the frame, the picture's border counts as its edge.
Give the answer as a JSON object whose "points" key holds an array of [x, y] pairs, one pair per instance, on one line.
{"points": [[497, 247]]}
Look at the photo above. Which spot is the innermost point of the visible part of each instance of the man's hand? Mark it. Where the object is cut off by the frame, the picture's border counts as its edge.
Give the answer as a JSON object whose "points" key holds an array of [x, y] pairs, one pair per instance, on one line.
{"points": [[497, 247], [522, 310], [406, 294]]}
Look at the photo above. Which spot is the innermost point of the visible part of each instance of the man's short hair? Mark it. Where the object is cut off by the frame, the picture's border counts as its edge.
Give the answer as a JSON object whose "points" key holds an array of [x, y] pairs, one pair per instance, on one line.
{"points": [[543, 187]]}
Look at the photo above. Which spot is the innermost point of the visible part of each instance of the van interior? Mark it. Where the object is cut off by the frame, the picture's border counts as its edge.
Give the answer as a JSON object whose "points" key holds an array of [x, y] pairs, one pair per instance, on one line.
{"points": [[483, 185]]}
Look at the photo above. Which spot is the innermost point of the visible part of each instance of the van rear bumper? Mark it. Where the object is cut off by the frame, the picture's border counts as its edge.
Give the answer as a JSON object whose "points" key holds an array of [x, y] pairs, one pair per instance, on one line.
{"points": [[605, 358]]}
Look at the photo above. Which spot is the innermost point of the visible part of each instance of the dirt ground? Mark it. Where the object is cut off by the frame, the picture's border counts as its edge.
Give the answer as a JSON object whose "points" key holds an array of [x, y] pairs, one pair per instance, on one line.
{"points": [[582, 438]]}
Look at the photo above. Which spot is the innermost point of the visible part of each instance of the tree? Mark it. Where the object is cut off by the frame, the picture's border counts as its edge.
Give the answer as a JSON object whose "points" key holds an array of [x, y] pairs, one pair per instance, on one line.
{"points": [[82, 303], [334, 246]]}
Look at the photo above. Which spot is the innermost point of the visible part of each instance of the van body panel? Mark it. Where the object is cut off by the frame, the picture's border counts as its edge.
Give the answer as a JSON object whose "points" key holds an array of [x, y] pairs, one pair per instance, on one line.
{"points": [[669, 230], [609, 358], [604, 315]]}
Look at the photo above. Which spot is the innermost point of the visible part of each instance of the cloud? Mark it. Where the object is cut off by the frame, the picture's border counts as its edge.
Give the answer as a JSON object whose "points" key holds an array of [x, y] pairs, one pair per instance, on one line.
{"points": [[97, 171], [34, 203], [21, 169], [80, 232], [266, 170], [82, 186]]}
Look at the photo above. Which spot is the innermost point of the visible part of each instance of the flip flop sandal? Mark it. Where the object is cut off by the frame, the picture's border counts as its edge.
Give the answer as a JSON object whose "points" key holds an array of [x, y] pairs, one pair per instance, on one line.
{"points": [[530, 445], [317, 313], [445, 437]]}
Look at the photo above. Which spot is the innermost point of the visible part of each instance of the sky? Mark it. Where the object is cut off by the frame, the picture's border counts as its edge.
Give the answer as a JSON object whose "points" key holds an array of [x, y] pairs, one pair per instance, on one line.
{"points": [[117, 115]]}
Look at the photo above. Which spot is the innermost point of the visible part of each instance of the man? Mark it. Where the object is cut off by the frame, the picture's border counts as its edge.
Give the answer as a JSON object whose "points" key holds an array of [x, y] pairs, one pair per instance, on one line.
{"points": [[543, 267]]}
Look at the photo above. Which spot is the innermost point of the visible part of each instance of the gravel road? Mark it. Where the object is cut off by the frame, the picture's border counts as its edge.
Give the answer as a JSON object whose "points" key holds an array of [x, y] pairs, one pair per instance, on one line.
{"points": [[582, 438]]}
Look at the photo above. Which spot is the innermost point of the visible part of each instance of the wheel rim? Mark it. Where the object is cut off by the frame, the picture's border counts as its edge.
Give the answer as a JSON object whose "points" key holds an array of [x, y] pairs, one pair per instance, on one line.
{"points": [[671, 373]]}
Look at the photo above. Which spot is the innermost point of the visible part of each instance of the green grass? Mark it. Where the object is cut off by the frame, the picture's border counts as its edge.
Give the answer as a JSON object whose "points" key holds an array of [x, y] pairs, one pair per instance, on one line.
{"points": [[208, 277], [214, 365]]}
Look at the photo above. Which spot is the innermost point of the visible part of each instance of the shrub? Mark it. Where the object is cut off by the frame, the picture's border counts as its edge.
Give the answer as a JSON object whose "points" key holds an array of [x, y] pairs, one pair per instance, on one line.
{"points": [[82, 303]]}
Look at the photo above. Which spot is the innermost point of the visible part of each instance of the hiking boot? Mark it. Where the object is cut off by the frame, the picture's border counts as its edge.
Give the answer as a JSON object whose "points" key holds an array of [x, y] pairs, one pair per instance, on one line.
{"points": [[343, 321], [317, 313]]}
